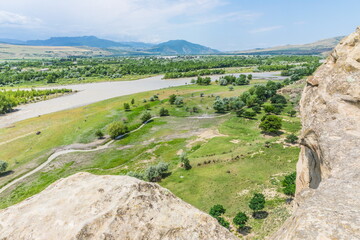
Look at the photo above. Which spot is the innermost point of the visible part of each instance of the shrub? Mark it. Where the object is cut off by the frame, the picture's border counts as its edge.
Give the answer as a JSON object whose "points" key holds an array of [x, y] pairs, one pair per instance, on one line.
{"points": [[292, 138], [135, 175], [132, 101], [292, 113], [179, 101], [249, 114], [240, 219], [185, 161], [99, 134], [127, 107], [231, 88], [116, 129], [289, 184], [223, 222], [3, 166], [270, 124], [278, 99], [146, 117], [172, 99], [217, 210], [163, 112], [156, 173], [257, 202]]}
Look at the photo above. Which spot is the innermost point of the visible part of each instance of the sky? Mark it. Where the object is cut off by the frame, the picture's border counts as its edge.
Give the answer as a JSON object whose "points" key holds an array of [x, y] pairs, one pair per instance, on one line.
{"points": [[221, 24]]}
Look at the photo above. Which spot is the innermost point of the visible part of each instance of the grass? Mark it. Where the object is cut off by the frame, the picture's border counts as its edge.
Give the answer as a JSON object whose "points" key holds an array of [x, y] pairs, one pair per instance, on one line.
{"points": [[228, 166]]}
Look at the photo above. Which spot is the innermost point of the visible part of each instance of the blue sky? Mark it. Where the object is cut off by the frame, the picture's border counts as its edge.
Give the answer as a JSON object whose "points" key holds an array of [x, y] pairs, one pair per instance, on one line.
{"points": [[220, 24]]}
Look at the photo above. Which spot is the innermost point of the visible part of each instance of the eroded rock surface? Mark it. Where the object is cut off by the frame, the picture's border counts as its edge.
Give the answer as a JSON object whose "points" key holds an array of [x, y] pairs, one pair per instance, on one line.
{"points": [[328, 183], [85, 206]]}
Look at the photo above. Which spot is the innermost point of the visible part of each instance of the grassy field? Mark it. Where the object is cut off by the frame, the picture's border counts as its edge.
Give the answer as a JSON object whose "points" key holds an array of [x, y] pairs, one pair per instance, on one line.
{"points": [[231, 159]]}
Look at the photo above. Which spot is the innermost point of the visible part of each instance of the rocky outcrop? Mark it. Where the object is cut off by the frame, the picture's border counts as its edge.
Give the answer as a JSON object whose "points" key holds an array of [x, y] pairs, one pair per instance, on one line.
{"points": [[85, 206], [328, 170]]}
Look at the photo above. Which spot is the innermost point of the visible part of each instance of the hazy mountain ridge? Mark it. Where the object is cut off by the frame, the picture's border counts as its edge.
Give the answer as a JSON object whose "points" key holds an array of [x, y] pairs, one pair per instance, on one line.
{"points": [[321, 47]]}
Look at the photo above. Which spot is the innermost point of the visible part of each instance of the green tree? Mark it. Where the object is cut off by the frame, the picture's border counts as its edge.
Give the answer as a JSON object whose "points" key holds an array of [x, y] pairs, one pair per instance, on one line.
{"points": [[291, 138], [217, 210], [240, 219], [127, 107], [99, 134], [271, 123], [3, 166], [268, 108], [248, 114], [249, 77], [132, 101], [116, 129], [172, 99], [157, 172], [289, 184], [223, 222], [164, 112], [185, 161], [292, 113], [146, 117], [179, 101], [257, 202], [219, 105]]}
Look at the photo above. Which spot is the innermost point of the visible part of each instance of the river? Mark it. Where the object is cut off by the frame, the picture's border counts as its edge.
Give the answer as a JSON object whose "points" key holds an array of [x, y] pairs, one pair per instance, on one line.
{"points": [[88, 93]]}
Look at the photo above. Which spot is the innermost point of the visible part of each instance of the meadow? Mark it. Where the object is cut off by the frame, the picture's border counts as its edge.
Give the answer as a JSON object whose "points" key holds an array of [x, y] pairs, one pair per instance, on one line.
{"points": [[230, 157]]}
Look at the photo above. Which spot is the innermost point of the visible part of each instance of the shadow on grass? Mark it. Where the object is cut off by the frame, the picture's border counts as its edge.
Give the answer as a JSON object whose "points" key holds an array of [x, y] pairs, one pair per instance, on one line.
{"points": [[244, 230], [7, 173], [273, 134], [260, 215]]}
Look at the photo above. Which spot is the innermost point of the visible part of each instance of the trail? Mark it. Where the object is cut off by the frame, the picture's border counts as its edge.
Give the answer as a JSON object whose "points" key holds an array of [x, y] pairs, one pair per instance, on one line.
{"points": [[63, 152]]}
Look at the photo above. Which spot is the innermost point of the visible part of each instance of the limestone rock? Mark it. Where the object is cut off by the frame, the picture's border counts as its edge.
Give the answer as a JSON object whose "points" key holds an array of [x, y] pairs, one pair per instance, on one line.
{"points": [[328, 170], [85, 206]]}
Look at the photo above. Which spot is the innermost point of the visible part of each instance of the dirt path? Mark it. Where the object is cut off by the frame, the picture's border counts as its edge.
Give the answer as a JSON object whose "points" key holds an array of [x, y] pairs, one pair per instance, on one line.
{"points": [[71, 150]]}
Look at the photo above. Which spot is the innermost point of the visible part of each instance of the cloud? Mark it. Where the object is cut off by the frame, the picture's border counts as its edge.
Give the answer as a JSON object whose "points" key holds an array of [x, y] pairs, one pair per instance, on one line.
{"points": [[266, 29], [14, 19]]}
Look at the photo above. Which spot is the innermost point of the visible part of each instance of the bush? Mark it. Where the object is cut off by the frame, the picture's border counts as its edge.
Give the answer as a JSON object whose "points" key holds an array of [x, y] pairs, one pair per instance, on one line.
{"points": [[292, 138], [116, 129], [132, 101], [146, 117], [289, 184], [185, 161], [257, 203], [240, 219], [223, 222], [217, 210], [172, 99], [163, 112], [156, 173], [99, 134], [270, 124], [179, 101], [127, 107], [292, 113], [249, 114], [3, 166], [135, 175]]}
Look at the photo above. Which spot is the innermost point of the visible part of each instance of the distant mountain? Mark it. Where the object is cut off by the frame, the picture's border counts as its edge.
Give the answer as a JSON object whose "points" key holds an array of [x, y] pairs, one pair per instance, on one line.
{"points": [[89, 41], [181, 47], [12, 41], [322, 47]]}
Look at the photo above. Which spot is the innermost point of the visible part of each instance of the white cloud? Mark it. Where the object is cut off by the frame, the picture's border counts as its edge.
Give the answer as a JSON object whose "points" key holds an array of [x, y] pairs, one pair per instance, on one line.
{"points": [[14, 19], [266, 29]]}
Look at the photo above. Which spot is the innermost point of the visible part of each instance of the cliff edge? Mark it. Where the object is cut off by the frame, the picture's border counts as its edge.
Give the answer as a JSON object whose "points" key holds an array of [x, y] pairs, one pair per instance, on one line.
{"points": [[328, 170], [85, 206]]}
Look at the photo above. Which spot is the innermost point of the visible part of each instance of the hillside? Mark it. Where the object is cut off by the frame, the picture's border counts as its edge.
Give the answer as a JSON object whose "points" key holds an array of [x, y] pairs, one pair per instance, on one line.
{"points": [[322, 47], [181, 47]]}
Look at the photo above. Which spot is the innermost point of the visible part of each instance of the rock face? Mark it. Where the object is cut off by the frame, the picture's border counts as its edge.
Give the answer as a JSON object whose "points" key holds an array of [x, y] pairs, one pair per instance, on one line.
{"points": [[328, 171], [86, 206]]}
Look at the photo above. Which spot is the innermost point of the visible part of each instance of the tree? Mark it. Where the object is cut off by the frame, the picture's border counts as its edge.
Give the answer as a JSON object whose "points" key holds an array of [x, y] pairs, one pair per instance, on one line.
{"points": [[292, 113], [185, 161], [223, 222], [3, 166], [127, 107], [99, 134], [257, 202], [163, 112], [231, 88], [172, 99], [249, 77], [132, 101], [179, 101], [270, 124], [240, 219], [289, 185], [116, 129], [269, 108], [219, 105], [146, 117], [256, 109], [278, 99], [248, 114], [156, 173], [217, 210], [291, 138]]}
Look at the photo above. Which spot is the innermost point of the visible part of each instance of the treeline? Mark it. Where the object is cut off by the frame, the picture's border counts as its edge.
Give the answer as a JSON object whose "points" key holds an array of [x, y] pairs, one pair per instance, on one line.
{"points": [[193, 73], [10, 99], [242, 79], [51, 71]]}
